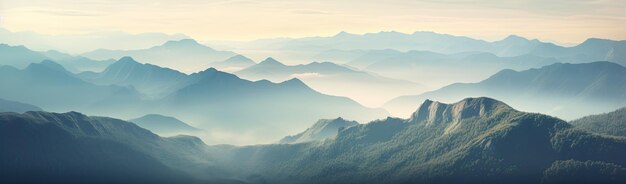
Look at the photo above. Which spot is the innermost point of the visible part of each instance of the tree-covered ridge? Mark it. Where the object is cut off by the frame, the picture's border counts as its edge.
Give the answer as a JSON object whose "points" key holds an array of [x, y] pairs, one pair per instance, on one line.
{"points": [[612, 123], [475, 140]]}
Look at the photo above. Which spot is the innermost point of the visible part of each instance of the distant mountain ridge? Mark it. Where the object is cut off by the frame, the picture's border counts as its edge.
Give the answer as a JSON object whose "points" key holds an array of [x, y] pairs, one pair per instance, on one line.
{"points": [[331, 78], [49, 86], [233, 64], [350, 45], [163, 125], [13, 106], [20, 57], [185, 55]]}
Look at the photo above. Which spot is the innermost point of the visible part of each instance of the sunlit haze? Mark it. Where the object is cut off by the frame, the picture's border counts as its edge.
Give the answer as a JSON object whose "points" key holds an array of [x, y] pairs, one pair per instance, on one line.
{"points": [[561, 21]]}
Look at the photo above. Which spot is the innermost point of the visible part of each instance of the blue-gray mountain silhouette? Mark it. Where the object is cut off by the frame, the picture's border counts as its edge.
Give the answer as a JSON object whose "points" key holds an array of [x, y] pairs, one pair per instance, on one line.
{"points": [[48, 85], [211, 98], [13, 106], [330, 78], [21, 57], [163, 125], [233, 64], [185, 55]]}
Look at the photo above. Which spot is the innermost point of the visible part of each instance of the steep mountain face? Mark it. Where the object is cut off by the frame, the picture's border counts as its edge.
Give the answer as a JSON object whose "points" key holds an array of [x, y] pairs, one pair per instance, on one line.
{"points": [[93, 149], [233, 64], [50, 86], [323, 129], [163, 125], [565, 90], [333, 79], [148, 79], [612, 123], [476, 140], [185, 55], [20, 57], [13, 106]]}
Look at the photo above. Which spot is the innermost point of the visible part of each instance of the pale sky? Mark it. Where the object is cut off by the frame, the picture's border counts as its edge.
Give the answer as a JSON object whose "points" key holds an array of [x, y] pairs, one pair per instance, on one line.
{"points": [[564, 21]]}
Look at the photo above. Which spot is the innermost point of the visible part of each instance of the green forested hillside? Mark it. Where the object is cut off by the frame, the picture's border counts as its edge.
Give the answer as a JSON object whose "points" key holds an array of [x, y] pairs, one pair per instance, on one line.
{"points": [[476, 140]]}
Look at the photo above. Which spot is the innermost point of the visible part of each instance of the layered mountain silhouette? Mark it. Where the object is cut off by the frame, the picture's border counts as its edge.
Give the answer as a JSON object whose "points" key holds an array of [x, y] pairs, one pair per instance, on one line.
{"points": [[79, 43], [330, 78], [21, 57], [344, 47], [321, 130], [475, 140], [13, 106], [152, 80], [128, 89], [185, 55], [71, 147], [564, 90], [163, 125], [280, 108], [437, 70], [611, 123], [48, 85]]}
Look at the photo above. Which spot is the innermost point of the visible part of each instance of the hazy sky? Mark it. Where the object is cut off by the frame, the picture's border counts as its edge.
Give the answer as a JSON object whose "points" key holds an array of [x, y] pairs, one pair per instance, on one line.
{"points": [[554, 20]]}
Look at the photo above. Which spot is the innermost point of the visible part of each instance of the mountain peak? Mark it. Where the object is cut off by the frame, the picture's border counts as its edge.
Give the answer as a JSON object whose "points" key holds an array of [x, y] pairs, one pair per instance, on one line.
{"points": [[183, 43], [514, 38], [271, 62], [294, 82], [343, 34], [432, 111], [47, 64], [239, 59], [127, 59]]}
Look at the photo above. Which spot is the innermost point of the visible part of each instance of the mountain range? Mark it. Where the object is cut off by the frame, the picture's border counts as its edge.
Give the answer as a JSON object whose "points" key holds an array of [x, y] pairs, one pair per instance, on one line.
{"points": [[211, 98], [49, 86], [185, 55], [79, 43], [436, 70], [567, 91], [330, 78], [344, 46], [475, 140]]}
